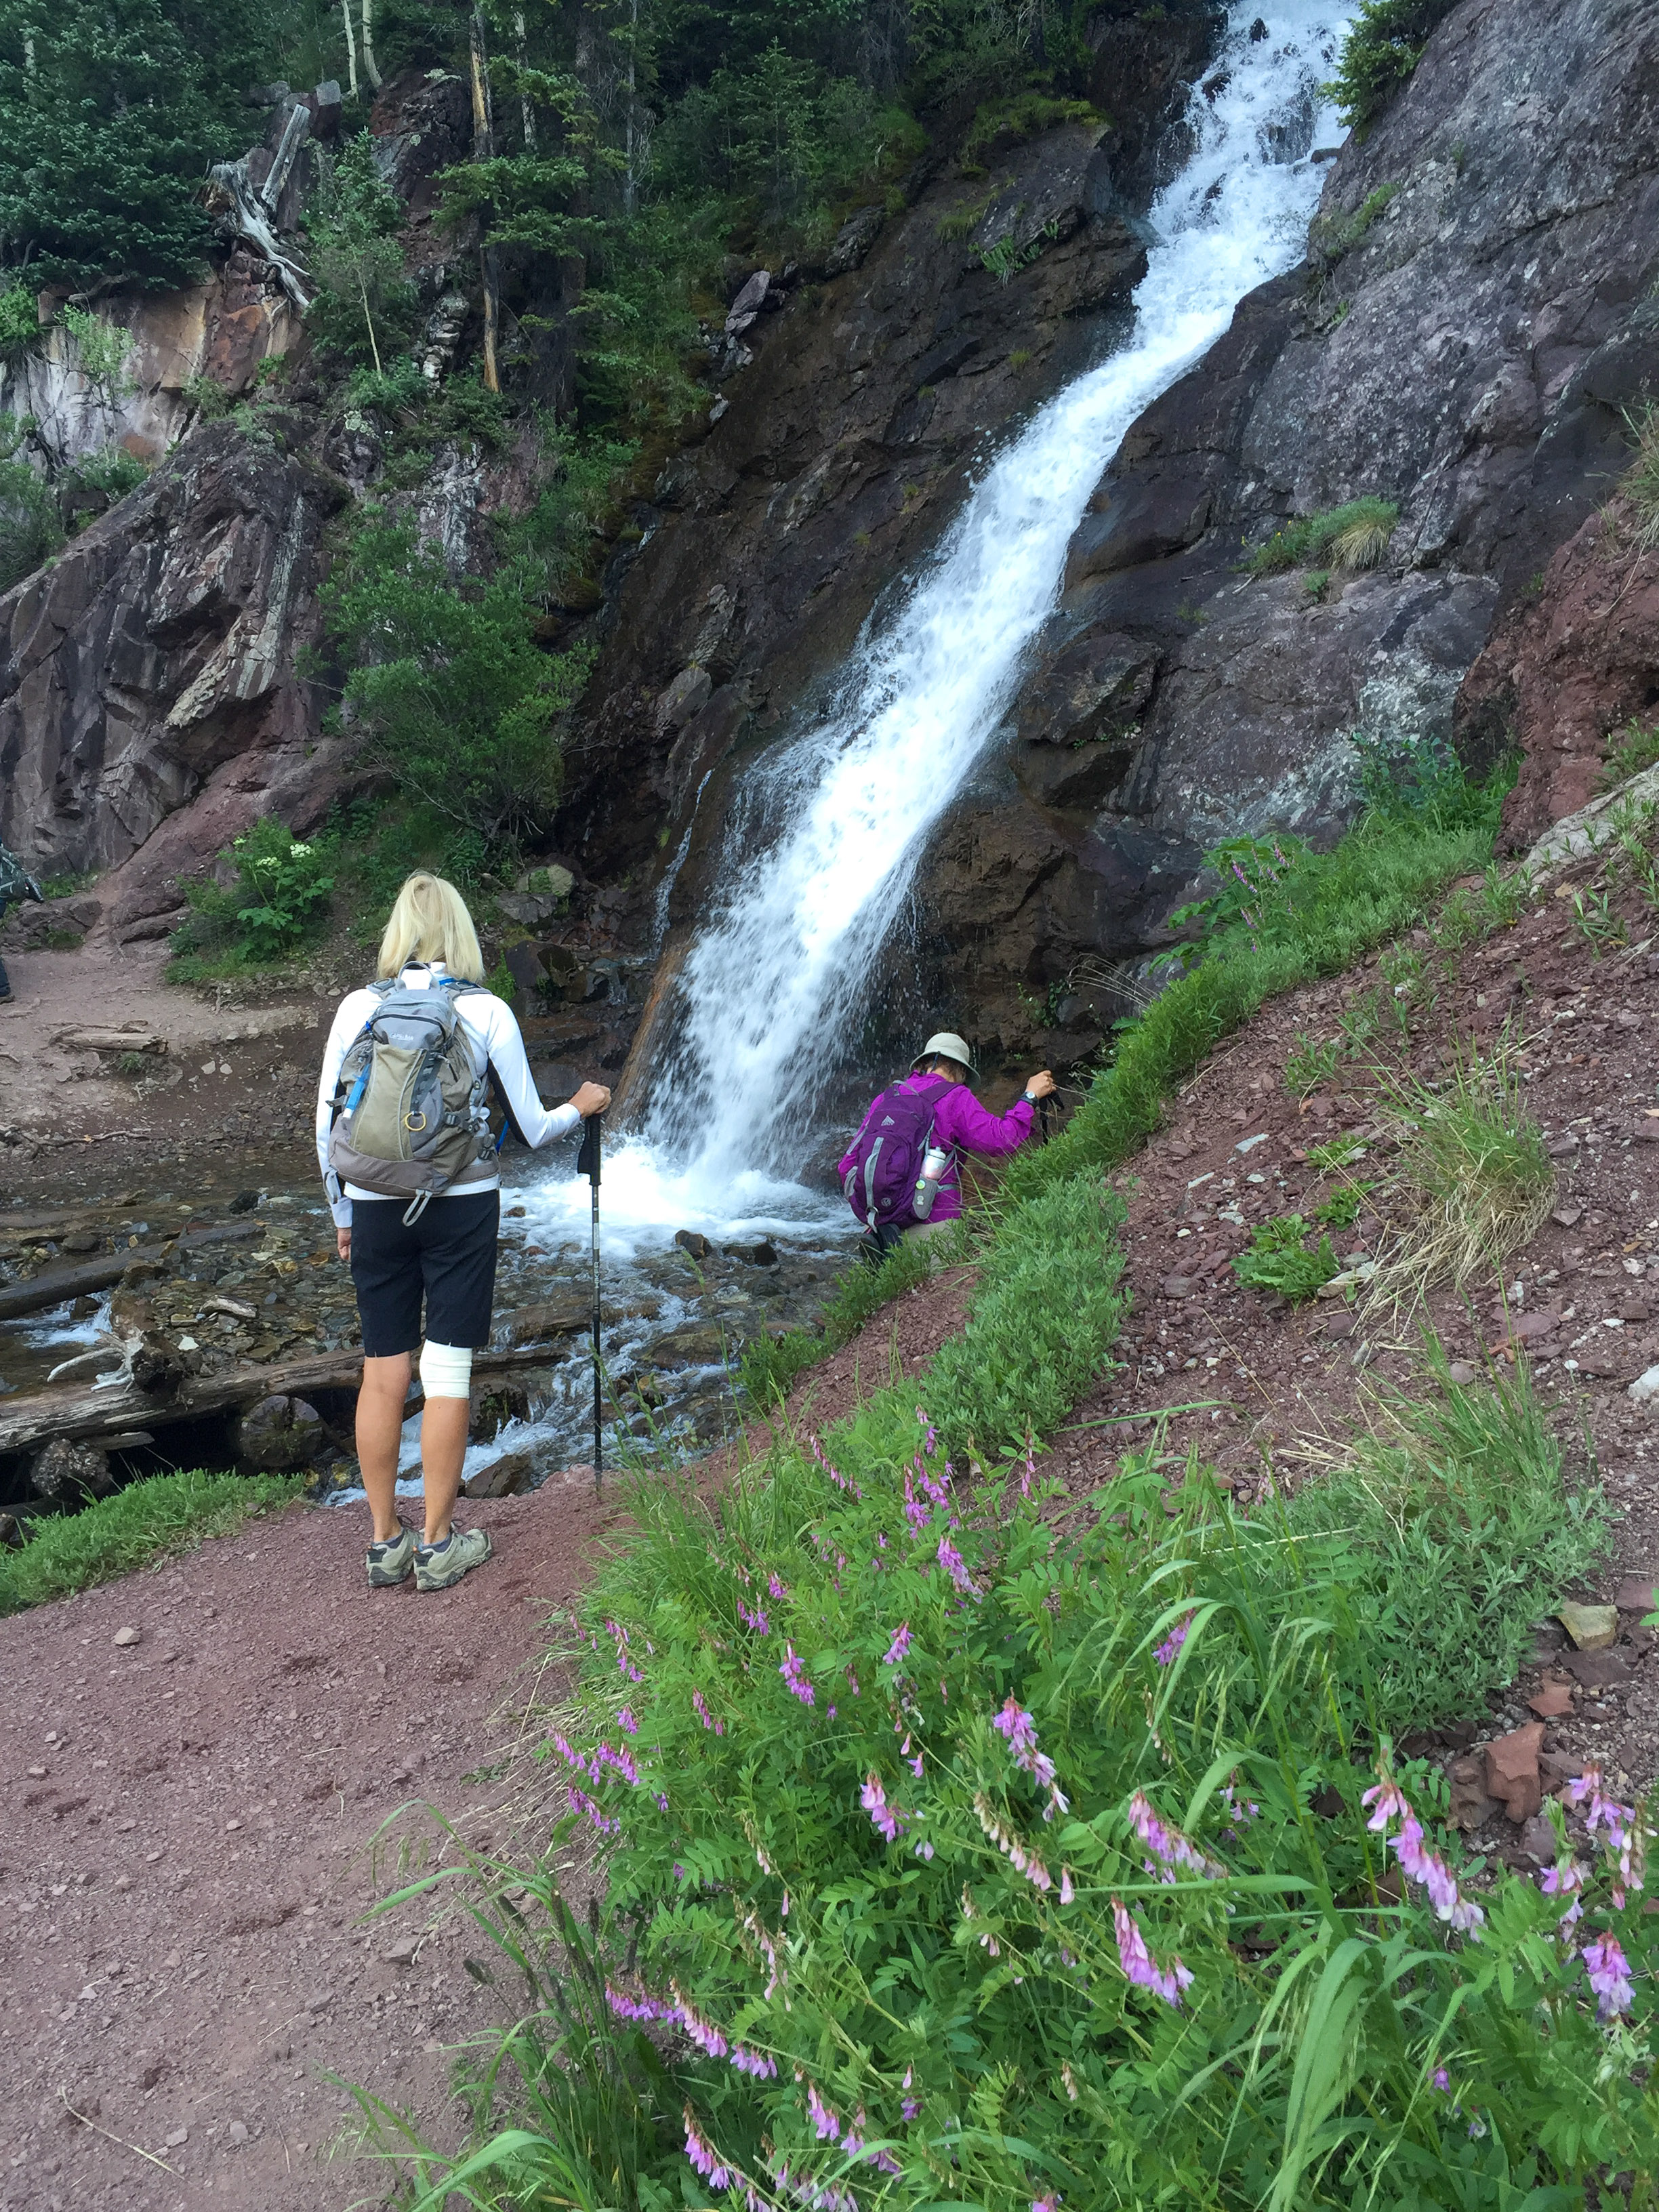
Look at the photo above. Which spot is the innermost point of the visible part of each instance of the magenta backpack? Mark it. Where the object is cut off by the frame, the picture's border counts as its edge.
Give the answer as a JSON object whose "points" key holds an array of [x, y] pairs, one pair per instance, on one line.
{"points": [[887, 1155]]}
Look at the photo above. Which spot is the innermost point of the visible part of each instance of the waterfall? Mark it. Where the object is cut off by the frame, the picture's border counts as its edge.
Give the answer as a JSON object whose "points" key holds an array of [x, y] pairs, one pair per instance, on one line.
{"points": [[823, 836]]}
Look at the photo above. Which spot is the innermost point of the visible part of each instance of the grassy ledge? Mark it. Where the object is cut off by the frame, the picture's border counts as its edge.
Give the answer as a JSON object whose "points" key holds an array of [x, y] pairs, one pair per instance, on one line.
{"points": [[115, 1536]]}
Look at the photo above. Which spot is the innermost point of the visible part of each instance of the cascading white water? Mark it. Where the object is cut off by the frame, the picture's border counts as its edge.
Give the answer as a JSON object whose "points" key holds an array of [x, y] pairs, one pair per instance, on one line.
{"points": [[798, 923]]}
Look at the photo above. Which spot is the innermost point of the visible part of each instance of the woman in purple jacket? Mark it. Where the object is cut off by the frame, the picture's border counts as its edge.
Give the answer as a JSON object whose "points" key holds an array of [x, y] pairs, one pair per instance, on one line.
{"points": [[960, 1124]]}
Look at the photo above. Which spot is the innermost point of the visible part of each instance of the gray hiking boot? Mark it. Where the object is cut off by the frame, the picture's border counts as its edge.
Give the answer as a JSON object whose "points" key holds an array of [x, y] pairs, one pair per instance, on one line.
{"points": [[392, 1561], [439, 1565]]}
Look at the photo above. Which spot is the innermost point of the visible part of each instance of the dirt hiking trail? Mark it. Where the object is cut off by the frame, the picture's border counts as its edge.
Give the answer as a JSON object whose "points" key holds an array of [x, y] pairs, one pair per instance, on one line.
{"points": [[185, 1854]]}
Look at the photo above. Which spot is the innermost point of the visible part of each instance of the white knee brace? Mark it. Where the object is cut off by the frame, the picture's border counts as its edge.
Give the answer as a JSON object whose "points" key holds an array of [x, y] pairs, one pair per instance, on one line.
{"points": [[446, 1371]]}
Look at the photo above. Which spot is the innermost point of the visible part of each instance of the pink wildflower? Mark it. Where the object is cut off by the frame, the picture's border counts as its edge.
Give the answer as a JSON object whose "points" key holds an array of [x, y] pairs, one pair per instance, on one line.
{"points": [[794, 1673], [755, 1620], [1609, 1977], [899, 1646], [583, 1803], [627, 1723], [704, 2157], [1066, 1892], [779, 1591], [1138, 1963], [886, 1817], [824, 2118], [754, 2063], [1442, 2081], [950, 1560], [930, 1441], [1166, 1652], [627, 2007], [703, 1714], [1167, 1844], [1050, 2202], [1417, 1860]]}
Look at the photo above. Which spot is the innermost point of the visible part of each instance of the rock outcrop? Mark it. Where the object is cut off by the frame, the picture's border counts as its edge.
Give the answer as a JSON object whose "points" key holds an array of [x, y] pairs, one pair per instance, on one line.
{"points": [[150, 702], [1462, 339]]}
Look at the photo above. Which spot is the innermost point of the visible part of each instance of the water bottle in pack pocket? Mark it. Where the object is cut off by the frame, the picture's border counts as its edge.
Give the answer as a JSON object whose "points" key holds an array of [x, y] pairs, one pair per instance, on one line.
{"points": [[884, 1183]]}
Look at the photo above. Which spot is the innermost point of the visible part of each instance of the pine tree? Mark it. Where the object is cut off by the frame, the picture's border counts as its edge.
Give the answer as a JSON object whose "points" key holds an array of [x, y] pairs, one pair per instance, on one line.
{"points": [[110, 112]]}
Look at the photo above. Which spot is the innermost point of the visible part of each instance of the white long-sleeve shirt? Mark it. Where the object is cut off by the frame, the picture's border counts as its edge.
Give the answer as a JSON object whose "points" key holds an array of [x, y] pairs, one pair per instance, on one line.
{"points": [[494, 1039]]}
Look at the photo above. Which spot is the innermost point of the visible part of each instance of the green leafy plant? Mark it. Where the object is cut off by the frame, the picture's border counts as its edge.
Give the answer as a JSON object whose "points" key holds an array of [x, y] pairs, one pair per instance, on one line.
{"points": [[771, 1365], [31, 531], [1331, 236], [999, 124], [20, 323], [1631, 748], [1597, 922], [448, 688], [1353, 535], [1277, 1259], [365, 305], [276, 896], [1505, 893], [1336, 1153], [1310, 1063], [1639, 485], [1381, 49], [1343, 1207]]}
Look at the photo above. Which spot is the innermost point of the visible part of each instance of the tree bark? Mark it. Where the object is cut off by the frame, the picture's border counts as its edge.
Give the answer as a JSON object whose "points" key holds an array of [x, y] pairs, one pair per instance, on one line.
{"points": [[82, 1411], [369, 70], [484, 149], [351, 49]]}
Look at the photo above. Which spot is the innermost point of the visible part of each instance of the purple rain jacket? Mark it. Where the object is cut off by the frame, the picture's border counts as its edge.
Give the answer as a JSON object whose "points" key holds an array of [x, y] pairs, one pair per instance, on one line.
{"points": [[962, 1125]]}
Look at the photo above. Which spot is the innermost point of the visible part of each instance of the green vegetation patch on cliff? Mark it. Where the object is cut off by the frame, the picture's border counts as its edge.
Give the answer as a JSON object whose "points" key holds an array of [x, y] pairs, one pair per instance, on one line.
{"points": [[1379, 54]]}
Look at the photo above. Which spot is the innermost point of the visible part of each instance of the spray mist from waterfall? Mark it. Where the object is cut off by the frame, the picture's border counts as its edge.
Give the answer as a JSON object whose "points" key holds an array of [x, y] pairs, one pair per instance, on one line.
{"points": [[823, 837]]}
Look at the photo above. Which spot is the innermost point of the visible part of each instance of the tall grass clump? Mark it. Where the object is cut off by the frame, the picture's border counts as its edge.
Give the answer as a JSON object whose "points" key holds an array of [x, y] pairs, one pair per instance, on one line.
{"points": [[117, 1535], [1476, 1178], [1353, 535], [1277, 926], [1640, 482]]}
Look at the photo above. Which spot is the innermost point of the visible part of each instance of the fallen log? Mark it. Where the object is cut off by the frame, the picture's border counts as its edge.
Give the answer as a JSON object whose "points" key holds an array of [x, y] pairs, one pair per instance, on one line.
{"points": [[82, 1411], [55, 1286]]}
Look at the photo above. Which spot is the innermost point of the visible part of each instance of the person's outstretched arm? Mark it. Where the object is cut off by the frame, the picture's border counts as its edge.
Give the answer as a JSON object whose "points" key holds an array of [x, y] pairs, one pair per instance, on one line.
{"points": [[962, 1122], [537, 1124]]}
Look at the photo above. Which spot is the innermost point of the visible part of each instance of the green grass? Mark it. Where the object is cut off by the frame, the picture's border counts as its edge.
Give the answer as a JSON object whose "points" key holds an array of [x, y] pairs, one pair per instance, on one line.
{"points": [[115, 1536], [1326, 912], [1353, 535], [769, 1367]]}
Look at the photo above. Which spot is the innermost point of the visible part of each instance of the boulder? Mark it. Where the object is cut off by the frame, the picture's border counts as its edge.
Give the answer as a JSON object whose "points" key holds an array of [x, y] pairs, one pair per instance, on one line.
{"points": [[853, 240], [278, 1435], [66, 1473], [762, 1253], [535, 1324], [694, 1242], [506, 1477]]}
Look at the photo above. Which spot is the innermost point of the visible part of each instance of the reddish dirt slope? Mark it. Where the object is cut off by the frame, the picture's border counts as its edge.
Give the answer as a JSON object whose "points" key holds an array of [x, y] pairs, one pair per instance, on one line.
{"points": [[185, 1855]]}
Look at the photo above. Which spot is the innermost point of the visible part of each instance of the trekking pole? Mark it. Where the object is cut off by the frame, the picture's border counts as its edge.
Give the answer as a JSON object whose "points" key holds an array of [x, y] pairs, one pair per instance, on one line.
{"points": [[588, 1163]]}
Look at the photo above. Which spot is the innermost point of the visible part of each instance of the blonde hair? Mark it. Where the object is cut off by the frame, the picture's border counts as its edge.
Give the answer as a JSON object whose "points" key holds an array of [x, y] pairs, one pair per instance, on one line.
{"points": [[429, 921]]}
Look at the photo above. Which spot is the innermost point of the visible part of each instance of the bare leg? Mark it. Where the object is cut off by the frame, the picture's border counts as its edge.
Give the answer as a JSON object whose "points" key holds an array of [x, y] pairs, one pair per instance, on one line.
{"points": [[443, 1448], [380, 1431]]}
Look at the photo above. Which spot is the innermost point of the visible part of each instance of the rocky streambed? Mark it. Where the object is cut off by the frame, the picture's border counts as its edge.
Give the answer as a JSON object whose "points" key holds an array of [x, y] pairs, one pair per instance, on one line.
{"points": [[155, 1329]]}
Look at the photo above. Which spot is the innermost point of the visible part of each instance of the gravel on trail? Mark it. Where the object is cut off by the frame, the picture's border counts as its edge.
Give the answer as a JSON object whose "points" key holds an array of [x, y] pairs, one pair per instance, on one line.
{"points": [[188, 1848]]}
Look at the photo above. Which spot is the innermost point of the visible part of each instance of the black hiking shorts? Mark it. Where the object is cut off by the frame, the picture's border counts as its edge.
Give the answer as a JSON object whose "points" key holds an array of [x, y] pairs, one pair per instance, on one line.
{"points": [[446, 1255]]}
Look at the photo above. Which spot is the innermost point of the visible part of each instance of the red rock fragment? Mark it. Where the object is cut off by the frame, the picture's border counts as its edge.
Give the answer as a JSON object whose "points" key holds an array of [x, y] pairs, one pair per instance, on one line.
{"points": [[1512, 1771], [1552, 1701], [1470, 1805]]}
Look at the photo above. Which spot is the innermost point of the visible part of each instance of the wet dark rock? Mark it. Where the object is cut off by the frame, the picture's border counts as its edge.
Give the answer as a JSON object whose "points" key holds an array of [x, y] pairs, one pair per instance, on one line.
{"points": [[694, 1242], [67, 1473], [762, 1254], [278, 1435], [493, 1405]]}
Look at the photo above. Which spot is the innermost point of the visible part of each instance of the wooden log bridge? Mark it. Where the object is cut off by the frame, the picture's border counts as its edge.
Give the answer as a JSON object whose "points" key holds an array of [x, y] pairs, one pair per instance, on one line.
{"points": [[84, 1412]]}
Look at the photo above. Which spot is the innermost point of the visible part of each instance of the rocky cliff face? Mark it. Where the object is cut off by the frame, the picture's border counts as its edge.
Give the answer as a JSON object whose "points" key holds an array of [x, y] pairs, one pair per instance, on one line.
{"points": [[1460, 340], [149, 706], [849, 409], [1469, 325]]}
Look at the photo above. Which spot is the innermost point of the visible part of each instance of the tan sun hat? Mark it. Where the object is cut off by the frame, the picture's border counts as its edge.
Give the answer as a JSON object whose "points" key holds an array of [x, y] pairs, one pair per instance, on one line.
{"points": [[946, 1045]]}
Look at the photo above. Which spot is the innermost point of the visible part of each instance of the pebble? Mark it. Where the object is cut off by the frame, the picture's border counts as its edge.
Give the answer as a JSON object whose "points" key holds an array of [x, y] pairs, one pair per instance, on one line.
{"points": [[237, 2131], [231, 1826], [126, 1637], [402, 1952], [177, 2138]]}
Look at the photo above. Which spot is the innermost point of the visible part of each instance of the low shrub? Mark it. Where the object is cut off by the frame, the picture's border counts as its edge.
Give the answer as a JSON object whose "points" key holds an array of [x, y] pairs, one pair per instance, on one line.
{"points": [[771, 1365], [30, 529], [979, 1850], [117, 1535], [1277, 1259], [277, 896], [1381, 49]]}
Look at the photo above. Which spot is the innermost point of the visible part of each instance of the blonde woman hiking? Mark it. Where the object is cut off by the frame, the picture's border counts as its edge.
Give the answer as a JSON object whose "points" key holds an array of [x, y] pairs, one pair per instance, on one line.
{"points": [[402, 1137]]}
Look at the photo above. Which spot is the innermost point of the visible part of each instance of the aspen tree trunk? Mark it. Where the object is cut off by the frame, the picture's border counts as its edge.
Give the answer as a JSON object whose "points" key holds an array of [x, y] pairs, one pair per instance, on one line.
{"points": [[351, 49], [369, 69], [484, 149], [527, 113]]}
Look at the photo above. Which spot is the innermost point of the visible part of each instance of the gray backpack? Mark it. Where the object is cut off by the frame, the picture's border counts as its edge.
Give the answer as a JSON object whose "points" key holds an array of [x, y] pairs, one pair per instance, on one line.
{"points": [[411, 1114]]}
